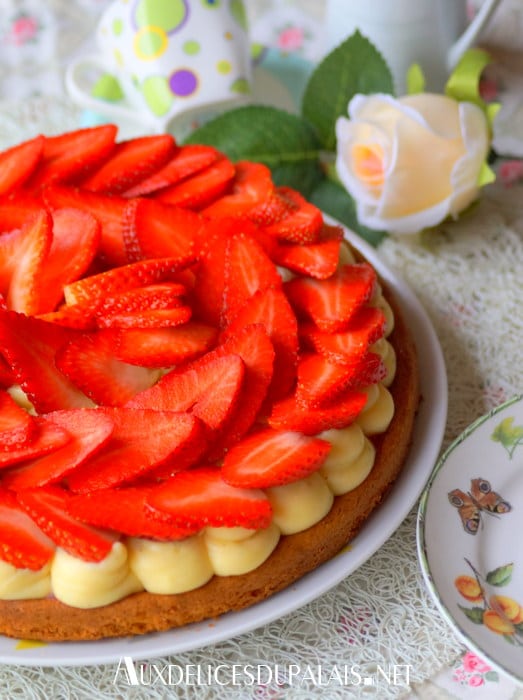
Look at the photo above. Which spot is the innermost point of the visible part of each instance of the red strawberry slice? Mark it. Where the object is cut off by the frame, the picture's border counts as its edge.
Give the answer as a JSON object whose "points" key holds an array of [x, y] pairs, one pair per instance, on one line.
{"points": [[122, 279], [142, 439], [247, 270], [152, 296], [130, 162], [252, 184], [349, 346], [209, 388], [332, 303], [200, 497], [318, 260], [164, 347], [18, 163], [76, 316], [75, 240], [150, 318], [23, 256], [290, 414], [126, 510], [303, 221], [109, 212], [24, 545], [47, 506], [155, 230], [67, 158], [47, 437], [16, 210], [17, 427], [209, 287], [29, 346], [90, 363], [321, 380], [186, 161], [273, 457], [89, 428], [254, 346], [200, 189], [271, 308]]}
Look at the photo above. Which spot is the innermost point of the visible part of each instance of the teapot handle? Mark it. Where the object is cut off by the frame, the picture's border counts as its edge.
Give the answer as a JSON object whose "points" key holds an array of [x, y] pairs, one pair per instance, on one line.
{"points": [[471, 33]]}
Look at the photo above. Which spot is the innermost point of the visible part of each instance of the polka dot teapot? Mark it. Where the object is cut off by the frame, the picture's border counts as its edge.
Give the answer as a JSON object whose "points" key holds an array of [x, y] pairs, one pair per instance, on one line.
{"points": [[159, 59]]}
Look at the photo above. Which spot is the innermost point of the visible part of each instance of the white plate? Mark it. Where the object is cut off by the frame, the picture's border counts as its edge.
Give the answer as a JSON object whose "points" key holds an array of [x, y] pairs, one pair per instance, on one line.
{"points": [[483, 524], [430, 425]]}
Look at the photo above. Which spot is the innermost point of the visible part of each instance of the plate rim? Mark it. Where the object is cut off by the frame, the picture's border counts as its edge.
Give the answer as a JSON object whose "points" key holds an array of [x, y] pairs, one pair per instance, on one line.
{"points": [[391, 513], [421, 540]]}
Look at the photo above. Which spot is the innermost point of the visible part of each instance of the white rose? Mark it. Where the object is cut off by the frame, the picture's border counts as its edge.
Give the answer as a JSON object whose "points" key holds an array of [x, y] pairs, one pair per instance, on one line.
{"points": [[410, 162]]}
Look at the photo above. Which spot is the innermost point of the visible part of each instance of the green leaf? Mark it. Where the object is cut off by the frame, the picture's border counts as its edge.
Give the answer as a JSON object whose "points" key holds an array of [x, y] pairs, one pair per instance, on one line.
{"points": [[506, 433], [285, 142], [353, 67], [415, 79], [500, 576], [492, 676], [333, 199], [474, 614]]}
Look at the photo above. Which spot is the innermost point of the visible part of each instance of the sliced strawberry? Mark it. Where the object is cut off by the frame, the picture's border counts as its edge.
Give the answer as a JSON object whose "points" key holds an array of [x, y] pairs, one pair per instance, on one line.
{"points": [[271, 210], [15, 210], [89, 428], [150, 318], [332, 303], [18, 163], [209, 388], [17, 427], [155, 230], [271, 308], [252, 184], [67, 158], [122, 279], [47, 437], [23, 256], [29, 346], [349, 346], [318, 260], [201, 189], [302, 222], [270, 457], [90, 363], [321, 380], [75, 240], [200, 497], [290, 414], [164, 347], [47, 506], [23, 545], [247, 270], [126, 510], [75, 316], [130, 162], [186, 161], [254, 346], [108, 210], [142, 439]]}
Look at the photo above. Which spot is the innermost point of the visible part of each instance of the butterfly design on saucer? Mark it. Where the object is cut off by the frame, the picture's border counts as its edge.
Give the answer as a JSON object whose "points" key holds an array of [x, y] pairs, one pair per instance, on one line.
{"points": [[480, 499]]}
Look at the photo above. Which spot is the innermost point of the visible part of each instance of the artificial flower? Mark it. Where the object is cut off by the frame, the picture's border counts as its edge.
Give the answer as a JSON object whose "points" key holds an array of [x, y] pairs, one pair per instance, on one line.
{"points": [[410, 163]]}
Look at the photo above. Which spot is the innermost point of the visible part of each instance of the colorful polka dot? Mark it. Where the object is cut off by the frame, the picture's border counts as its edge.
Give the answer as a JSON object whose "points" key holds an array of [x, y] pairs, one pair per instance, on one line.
{"points": [[239, 13], [211, 4], [117, 26], [183, 82], [156, 92], [169, 15], [224, 67], [192, 47], [118, 57], [150, 42]]}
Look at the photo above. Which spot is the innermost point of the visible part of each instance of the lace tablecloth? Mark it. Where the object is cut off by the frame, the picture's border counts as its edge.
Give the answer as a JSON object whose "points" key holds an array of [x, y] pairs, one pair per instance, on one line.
{"points": [[467, 276]]}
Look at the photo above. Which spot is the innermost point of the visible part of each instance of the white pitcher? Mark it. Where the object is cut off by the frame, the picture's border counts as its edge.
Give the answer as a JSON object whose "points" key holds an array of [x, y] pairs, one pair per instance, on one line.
{"points": [[431, 33]]}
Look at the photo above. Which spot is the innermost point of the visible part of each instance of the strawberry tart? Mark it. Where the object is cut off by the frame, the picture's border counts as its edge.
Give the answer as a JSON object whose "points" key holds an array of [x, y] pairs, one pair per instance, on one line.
{"points": [[204, 391]]}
